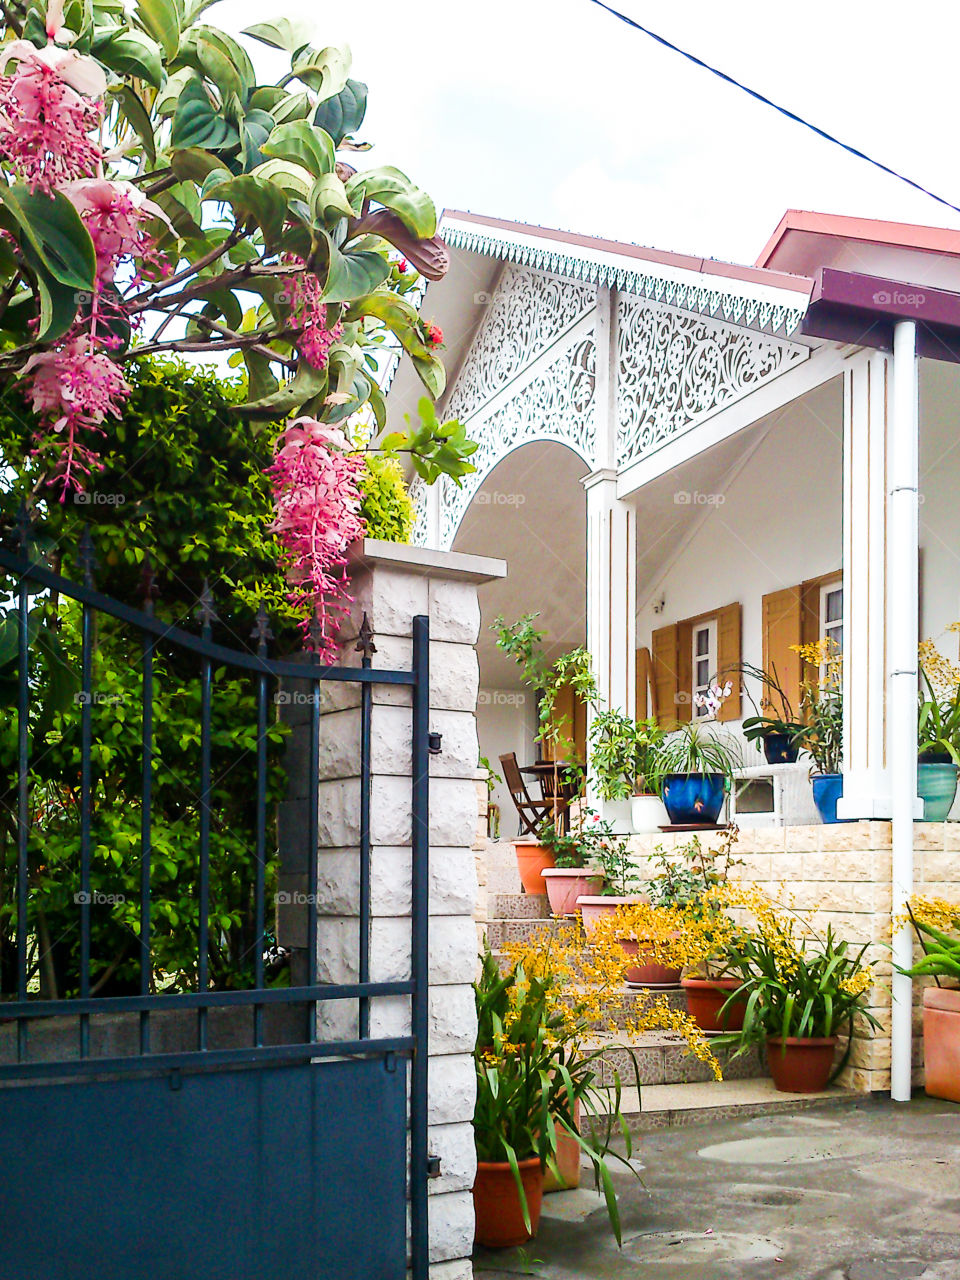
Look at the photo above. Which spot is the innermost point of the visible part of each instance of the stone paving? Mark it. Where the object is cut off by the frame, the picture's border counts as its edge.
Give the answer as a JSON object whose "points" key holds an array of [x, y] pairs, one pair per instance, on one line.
{"points": [[869, 1191]]}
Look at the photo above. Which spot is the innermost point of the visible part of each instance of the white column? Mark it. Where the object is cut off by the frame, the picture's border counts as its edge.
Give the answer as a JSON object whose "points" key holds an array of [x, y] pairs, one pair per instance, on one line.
{"points": [[866, 396], [903, 627], [611, 590]]}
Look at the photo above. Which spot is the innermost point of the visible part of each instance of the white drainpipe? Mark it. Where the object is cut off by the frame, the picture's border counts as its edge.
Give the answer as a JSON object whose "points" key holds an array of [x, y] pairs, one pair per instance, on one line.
{"points": [[902, 544]]}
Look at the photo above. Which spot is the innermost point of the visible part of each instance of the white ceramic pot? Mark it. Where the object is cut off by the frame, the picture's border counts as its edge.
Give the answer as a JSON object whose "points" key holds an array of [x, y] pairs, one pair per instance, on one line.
{"points": [[617, 813], [647, 813]]}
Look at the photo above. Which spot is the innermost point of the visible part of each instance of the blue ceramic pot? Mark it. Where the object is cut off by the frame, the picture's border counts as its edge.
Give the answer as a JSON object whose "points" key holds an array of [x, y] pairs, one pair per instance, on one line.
{"points": [[827, 790], [693, 798], [778, 748], [937, 788]]}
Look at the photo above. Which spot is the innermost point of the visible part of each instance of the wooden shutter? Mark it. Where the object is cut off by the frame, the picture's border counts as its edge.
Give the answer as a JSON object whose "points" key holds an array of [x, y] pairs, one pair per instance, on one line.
{"points": [[570, 720], [666, 682], [783, 614], [728, 657]]}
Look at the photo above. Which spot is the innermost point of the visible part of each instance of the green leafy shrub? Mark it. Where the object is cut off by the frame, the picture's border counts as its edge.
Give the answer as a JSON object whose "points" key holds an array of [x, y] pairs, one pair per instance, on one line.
{"points": [[387, 506]]}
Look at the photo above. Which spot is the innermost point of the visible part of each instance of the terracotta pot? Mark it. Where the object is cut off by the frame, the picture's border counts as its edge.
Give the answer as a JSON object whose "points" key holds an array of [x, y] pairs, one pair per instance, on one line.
{"points": [[532, 859], [800, 1065], [566, 884], [707, 996], [648, 972], [567, 1157], [941, 1042], [496, 1203], [594, 908]]}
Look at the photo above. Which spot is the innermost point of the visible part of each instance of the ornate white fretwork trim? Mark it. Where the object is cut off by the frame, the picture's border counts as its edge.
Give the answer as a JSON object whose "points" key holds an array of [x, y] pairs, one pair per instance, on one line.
{"points": [[677, 370], [738, 304], [556, 404], [527, 314]]}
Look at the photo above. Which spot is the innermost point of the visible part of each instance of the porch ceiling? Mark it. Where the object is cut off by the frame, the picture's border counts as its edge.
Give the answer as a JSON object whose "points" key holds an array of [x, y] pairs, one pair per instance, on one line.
{"points": [[531, 511]]}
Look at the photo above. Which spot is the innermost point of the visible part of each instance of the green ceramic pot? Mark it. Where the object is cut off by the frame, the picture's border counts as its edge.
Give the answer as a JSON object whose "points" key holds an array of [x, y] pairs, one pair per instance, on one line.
{"points": [[937, 788]]}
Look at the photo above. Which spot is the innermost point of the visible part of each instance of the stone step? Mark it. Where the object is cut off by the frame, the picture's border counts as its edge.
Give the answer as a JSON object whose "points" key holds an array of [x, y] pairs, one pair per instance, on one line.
{"points": [[663, 1058], [667, 1105], [519, 906], [500, 932]]}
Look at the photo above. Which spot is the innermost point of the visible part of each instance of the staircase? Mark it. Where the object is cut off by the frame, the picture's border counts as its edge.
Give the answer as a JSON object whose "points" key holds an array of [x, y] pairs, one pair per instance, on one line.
{"points": [[676, 1088]]}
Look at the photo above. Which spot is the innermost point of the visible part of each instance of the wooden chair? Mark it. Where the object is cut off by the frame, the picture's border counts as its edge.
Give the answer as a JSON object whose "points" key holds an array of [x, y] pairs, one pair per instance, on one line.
{"points": [[531, 812]]}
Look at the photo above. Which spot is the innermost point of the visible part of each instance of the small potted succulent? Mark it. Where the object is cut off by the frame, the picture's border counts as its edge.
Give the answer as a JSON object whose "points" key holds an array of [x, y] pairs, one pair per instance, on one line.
{"points": [[937, 926], [696, 772], [774, 728]]}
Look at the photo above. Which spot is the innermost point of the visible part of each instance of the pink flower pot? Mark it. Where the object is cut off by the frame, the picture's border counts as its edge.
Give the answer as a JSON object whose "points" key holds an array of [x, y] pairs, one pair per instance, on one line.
{"points": [[594, 907], [941, 1042], [566, 884]]}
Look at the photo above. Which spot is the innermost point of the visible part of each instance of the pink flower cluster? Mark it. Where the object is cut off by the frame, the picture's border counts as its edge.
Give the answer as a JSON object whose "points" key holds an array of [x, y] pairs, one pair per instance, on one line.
{"points": [[317, 501], [77, 387], [309, 315], [114, 213], [48, 107]]}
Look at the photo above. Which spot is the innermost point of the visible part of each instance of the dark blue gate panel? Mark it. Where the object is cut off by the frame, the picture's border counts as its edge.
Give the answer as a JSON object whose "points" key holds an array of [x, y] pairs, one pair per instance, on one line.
{"points": [[275, 1173]]}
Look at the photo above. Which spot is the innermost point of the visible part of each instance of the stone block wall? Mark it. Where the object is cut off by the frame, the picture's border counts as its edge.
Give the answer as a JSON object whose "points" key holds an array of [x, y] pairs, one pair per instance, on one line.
{"points": [[843, 871], [391, 585]]}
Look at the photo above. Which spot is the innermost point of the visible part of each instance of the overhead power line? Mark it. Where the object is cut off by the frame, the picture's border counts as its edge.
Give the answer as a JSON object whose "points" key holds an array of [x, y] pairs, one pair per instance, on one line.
{"points": [[791, 115]]}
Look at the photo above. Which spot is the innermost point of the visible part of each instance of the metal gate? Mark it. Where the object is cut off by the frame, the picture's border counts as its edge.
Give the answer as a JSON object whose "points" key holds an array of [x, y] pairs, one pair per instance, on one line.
{"points": [[173, 1133]]}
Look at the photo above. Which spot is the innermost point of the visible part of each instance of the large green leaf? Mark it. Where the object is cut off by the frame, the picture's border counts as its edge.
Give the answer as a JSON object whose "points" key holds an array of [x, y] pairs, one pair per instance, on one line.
{"points": [[282, 33], [255, 129], [131, 53], [308, 382], [394, 190], [342, 115], [169, 95], [330, 197], [292, 178], [195, 165], [56, 232], [261, 381], [163, 20], [396, 313], [252, 197], [431, 372], [58, 302], [323, 70], [350, 275], [302, 142], [135, 113], [197, 123]]}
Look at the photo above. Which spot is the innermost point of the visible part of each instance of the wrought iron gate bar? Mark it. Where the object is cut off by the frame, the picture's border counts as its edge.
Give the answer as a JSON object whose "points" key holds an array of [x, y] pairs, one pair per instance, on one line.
{"points": [[420, 954], [163, 1063], [23, 807], [146, 703]]}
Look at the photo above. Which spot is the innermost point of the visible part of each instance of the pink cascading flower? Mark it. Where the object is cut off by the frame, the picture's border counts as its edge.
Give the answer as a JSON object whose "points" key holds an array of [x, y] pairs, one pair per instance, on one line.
{"points": [[309, 315], [76, 387], [115, 214], [317, 502], [49, 105]]}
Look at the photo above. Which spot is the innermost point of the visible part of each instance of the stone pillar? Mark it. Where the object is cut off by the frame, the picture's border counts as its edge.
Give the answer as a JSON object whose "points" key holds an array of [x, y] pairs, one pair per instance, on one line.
{"points": [[392, 584], [611, 591]]}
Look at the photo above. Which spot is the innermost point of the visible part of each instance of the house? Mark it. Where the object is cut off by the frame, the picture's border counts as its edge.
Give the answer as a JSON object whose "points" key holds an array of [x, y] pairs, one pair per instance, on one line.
{"points": [[687, 463]]}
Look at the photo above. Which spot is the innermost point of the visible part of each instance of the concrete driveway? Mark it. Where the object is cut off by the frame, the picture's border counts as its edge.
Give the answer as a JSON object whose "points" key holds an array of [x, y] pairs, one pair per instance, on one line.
{"points": [[863, 1192]]}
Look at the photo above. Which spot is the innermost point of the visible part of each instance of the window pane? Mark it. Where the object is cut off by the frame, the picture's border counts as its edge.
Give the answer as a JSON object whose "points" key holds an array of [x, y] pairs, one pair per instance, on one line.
{"points": [[834, 605], [703, 673], [703, 640]]}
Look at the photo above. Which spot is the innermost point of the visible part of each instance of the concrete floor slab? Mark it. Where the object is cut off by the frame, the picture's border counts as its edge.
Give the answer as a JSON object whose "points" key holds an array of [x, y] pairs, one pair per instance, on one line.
{"points": [[869, 1191]]}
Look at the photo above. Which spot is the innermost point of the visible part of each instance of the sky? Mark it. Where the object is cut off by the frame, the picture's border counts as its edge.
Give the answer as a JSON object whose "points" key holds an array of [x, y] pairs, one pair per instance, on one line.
{"points": [[552, 112]]}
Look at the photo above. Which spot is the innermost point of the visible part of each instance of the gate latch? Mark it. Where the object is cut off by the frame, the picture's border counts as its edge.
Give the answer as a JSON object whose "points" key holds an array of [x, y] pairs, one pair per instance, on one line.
{"points": [[433, 1166]]}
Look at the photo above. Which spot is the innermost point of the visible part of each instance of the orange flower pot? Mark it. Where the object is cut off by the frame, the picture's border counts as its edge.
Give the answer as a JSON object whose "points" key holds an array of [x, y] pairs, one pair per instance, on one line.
{"points": [[532, 860], [941, 1042], [707, 996], [496, 1203], [800, 1065]]}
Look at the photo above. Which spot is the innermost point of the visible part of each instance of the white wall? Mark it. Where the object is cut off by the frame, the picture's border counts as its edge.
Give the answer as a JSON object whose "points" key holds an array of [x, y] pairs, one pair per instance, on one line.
{"points": [[940, 502], [774, 524]]}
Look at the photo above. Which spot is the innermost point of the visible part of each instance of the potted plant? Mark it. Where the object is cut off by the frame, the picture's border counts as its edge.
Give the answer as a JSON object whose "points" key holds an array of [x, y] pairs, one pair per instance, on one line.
{"points": [[774, 728], [821, 705], [689, 880], [574, 854], [938, 732], [937, 926], [621, 881], [533, 1078], [696, 771], [801, 993], [625, 767]]}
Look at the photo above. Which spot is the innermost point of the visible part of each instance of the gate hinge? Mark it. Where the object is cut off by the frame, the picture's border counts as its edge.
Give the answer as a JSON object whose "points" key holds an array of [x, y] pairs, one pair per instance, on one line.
{"points": [[390, 1062], [433, 1166]]}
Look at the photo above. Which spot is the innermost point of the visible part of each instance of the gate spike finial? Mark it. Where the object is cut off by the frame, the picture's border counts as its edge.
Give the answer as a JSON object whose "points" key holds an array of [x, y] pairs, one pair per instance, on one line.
{"points": [[205, 610], [87, 556], [261, 630], [315, 632], [365, 643]]}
